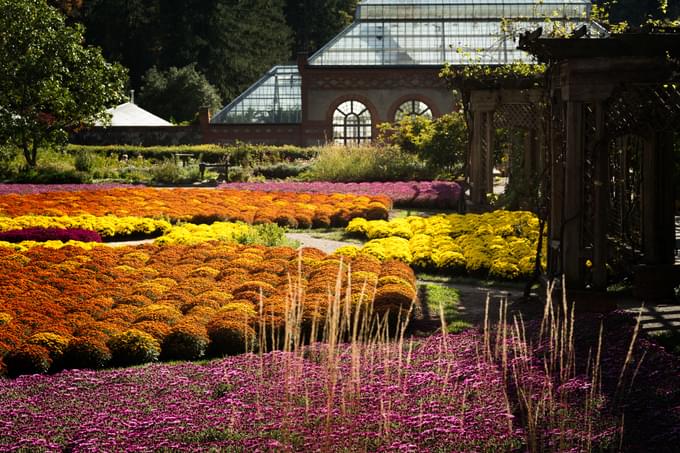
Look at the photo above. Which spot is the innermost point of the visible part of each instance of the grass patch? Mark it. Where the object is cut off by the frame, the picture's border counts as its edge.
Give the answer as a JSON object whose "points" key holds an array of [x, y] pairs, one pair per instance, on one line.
{"points": [[443, 299], [434, 277], [400, 213]]}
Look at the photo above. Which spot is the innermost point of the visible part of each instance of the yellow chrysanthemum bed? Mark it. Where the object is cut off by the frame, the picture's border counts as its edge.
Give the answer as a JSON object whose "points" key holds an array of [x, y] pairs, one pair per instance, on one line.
{"points": [[500, 244]]}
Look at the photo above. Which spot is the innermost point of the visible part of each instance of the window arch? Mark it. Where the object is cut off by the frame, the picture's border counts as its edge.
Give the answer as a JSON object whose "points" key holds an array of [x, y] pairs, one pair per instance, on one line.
{"points": [[412, 109], [352, 124]]}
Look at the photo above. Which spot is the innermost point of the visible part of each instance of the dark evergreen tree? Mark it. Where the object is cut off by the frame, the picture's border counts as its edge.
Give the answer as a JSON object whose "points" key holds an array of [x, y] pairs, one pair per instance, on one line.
{"points": [[315, 22], [128, 31], [177, 94], [232, 42]]}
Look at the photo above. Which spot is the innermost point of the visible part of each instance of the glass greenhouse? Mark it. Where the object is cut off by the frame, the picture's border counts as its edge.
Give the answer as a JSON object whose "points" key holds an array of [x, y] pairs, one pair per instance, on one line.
{"points": [[412, 33], [432, 32], [275, 98]]}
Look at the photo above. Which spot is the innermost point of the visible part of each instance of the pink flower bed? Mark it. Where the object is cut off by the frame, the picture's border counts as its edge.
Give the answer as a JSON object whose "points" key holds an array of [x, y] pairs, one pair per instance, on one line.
{"points": [[41, 188], [423, 194]]}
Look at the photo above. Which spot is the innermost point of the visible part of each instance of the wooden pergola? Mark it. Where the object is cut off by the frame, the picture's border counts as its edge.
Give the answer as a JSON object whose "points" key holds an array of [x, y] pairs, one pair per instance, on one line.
{"points": [[614, 119]]}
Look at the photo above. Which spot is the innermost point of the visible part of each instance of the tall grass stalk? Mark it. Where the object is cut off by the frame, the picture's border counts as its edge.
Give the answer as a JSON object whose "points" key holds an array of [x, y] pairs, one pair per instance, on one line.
{"points": [[344, 329]]}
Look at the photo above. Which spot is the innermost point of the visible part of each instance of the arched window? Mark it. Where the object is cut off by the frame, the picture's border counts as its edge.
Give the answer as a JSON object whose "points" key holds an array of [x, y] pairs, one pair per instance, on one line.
{"points": [[412, 109], [351, 124]]}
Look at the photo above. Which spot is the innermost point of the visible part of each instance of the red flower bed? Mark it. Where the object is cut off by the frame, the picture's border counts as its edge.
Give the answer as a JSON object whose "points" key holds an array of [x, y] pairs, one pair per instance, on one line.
{"points": [[50, 234]]}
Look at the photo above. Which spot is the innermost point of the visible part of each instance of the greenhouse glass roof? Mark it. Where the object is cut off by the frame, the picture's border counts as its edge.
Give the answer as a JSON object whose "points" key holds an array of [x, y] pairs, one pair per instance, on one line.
{"points": [[432, 32], [412, 33], [275, 98]]}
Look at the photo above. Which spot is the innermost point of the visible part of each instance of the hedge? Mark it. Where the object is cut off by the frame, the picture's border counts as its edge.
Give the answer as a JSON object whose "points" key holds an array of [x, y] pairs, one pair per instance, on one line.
{"points": [[239, 154]]}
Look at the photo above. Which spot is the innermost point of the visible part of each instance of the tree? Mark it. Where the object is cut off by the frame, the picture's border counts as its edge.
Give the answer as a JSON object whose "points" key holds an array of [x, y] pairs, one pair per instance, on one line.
{"points": [[49, 81], [316, 22], [128, 31], [68, 7], [441, 142], [177, 93], [232, 42], [244, 38]]}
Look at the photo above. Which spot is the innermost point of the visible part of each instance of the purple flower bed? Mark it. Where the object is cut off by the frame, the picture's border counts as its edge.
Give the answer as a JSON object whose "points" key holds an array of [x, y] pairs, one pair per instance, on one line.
{"points": [[50, 234], [41, 188], [436, 402], [442, 396], [423, 194]]}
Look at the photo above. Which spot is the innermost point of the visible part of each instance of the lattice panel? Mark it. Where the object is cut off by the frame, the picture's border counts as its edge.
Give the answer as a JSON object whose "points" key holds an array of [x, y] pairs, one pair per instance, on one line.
{"points": [[516, 115], [625, 188], [588, 170], [484, 157], [640, 109]]}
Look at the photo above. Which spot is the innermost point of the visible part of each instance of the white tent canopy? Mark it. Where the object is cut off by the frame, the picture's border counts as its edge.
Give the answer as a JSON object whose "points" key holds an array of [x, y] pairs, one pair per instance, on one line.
{"points": [[130, 114]]}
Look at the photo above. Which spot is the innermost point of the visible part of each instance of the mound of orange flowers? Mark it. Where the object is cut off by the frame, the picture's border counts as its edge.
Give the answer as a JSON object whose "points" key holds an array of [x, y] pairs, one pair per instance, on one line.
{"points": [[75, 308], [287, 209]]}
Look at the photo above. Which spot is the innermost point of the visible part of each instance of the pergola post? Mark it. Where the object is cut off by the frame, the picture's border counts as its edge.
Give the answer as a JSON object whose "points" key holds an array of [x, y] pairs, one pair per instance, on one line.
{"points": [[658, 225], [600, 200], [572, 258], [555, 136], [482, 105]]}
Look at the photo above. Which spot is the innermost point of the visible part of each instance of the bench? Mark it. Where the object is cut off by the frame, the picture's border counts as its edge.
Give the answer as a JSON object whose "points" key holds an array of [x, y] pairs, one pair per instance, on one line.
{"points": [[222, 168]]}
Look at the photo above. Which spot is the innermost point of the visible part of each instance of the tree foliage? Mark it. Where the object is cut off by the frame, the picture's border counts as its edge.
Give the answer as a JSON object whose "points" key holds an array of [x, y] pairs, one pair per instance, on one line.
{"points": [[232, 42], [637, 12], [441, 143], [49, 81], [177, 93], [69, 7], [316, 22]]}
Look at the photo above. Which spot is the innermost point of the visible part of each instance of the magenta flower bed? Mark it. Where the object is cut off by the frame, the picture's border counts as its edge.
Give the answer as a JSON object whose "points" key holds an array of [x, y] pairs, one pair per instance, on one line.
{"points": [[41, 188], [425, 194], [50, 234], [440, 397], [229, 405]]}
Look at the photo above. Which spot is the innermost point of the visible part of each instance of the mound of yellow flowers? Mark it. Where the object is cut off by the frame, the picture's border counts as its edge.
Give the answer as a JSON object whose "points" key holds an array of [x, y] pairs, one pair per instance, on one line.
{"points": [[500, 244]]}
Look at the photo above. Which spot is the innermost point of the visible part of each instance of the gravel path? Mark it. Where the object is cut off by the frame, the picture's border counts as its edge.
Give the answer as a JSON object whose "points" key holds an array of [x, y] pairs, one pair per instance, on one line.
{"points": [[129, 243], [326, 245]]}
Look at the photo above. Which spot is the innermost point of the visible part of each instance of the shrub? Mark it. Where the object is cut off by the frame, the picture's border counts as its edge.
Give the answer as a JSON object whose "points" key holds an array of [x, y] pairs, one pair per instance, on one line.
{"points": [[133, 347], [85, 352], [281, 170], [166, 172], [440, 143], [185, 342], [28, 359], [375, 163], [240, 154], [84, 161]]}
